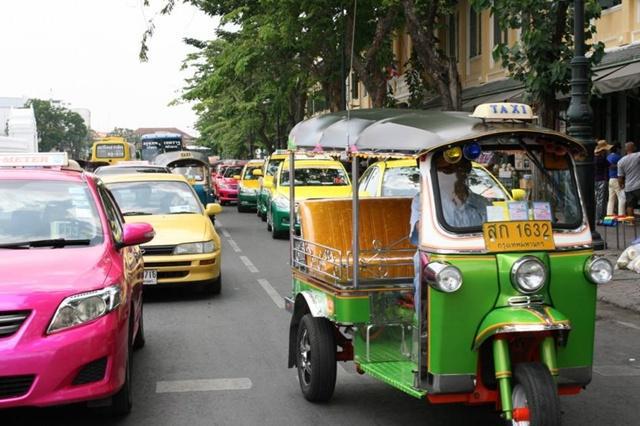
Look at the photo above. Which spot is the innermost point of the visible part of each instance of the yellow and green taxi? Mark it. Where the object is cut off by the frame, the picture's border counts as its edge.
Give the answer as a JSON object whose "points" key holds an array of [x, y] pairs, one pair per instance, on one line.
{"points": [[249, 185], [314, 178], [186, 248], [269, 170]]}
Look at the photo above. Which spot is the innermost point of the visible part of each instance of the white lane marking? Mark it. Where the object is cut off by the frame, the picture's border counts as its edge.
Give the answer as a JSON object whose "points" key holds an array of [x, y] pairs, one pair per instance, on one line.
{"points": [[628, 324], [226, 233], [616, 370], [343, 368], [203, 385], [250, 266], [234, 246], [275, 296]]}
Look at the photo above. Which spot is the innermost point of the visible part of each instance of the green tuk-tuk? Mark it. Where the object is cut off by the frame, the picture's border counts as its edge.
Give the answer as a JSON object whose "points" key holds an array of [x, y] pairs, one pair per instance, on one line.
{"points": [[463, 294]]}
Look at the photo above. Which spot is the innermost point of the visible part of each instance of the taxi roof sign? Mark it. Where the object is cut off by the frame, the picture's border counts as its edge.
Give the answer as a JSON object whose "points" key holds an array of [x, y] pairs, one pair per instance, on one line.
{"points": [[504, 111], [35, 159]]}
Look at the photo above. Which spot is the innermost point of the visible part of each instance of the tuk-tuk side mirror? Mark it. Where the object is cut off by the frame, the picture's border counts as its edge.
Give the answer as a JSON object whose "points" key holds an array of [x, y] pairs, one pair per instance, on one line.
{"points": [[518, 194], [236, 177], [256, 172], [213, 209]]}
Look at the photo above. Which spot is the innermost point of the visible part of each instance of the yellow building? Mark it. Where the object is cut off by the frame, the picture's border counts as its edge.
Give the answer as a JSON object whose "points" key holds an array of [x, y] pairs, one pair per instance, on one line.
{"points": [[471, 36]]}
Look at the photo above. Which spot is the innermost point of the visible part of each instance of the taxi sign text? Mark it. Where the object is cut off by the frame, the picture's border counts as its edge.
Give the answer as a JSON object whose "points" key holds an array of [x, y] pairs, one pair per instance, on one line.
{"points": [[518, 236], [46, 159]]}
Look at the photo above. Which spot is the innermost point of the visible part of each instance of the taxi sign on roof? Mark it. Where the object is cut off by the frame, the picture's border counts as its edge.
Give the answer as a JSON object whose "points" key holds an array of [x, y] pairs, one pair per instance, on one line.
{"points": [[35, 159], [504, 111]]}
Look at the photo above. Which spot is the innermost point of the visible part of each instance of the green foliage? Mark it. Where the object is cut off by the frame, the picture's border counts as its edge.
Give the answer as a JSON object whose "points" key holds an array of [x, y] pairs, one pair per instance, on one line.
{"points": [[128, 134], [541, 58], [59, 129]]}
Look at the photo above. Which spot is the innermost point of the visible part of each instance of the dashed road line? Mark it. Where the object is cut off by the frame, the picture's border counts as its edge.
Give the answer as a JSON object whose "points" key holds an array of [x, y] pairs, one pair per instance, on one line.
{"points": [[628, 324], [617, 370], [250, 266], [226, 233], [275, 296], [203, 385], [234, 245]]}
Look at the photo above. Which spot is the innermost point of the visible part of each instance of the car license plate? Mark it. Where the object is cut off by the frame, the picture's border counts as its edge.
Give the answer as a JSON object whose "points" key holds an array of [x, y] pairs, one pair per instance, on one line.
{"points": [[518, 236], [150, 277]]}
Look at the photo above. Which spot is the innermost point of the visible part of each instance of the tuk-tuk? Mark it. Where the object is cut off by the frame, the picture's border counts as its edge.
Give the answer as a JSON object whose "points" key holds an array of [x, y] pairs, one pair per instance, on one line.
{"points": [[192, 165], [462, 294]]}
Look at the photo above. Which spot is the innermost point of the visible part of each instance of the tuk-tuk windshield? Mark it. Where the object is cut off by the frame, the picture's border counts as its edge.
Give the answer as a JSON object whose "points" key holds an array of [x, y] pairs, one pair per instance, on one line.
{"points": [[511, 179], [196, 173]]}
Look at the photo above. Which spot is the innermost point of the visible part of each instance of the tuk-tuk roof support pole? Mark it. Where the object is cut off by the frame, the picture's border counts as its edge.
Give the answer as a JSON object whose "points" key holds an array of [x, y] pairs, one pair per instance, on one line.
{"points": [[292, 205], [356, 224], [580, 117]]}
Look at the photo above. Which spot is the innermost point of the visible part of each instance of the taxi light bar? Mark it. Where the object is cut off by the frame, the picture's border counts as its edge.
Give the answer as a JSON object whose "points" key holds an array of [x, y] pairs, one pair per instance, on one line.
{"points": [[504, 111], [35, 159]]}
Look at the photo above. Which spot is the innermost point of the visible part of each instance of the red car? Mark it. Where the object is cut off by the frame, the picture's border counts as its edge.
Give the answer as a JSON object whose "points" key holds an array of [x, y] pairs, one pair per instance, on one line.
{"points": [[225, 184]]}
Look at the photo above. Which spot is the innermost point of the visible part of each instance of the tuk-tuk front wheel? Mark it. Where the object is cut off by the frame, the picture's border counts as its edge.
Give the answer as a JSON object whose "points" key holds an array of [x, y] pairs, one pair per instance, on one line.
{"points": [[316, 358], [534, 396]]}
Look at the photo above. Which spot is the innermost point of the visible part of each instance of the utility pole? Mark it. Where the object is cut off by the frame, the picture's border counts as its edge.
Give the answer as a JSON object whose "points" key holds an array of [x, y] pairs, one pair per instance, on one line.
{"points": [[580, 117]]}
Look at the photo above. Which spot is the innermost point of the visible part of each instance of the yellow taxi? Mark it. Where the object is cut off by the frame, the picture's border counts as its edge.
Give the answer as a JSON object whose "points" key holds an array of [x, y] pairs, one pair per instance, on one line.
{"points": [[249, 185], [186, 248], [314, 178]]}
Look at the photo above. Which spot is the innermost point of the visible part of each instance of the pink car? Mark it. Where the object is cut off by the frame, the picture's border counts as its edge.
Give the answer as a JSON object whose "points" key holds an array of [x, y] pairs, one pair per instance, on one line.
{"points": [[70, 287], [226, 187]]}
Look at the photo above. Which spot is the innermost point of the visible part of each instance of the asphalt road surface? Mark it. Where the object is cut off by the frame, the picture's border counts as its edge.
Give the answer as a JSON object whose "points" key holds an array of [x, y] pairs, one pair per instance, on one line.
{"points": [[222, 360]]}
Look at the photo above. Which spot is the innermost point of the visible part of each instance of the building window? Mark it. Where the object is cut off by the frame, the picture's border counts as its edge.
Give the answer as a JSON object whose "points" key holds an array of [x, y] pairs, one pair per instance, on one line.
{"points": [[499, 35], [608, 4], [475, 33], [452, 36]]}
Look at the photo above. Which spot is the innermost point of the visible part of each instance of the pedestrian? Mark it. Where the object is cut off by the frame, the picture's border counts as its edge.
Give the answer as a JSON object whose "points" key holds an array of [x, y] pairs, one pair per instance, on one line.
{"points": [[629, 176], [616, 194], [601, 176]]}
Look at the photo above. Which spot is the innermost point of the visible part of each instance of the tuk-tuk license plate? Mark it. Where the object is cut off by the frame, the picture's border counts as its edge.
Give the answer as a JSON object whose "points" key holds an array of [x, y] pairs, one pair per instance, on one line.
{"points": [[518, 236], [150, 277]]}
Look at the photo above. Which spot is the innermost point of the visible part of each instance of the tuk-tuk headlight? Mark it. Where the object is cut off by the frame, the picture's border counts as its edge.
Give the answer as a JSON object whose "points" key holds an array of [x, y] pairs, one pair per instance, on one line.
{"points": [[442, 277], [598, 270], [528, 274]]}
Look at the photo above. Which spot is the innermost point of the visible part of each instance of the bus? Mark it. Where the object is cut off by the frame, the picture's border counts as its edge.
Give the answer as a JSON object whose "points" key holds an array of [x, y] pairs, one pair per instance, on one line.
{"points": [[153, 144], [112, 150]]}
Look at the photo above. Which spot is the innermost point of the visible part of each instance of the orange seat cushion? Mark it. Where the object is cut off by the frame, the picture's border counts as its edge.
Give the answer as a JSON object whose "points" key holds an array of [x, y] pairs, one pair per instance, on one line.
{"points": [[384, 230]]}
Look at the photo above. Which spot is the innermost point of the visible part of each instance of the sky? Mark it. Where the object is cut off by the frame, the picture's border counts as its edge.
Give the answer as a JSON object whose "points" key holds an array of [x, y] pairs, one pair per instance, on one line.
{"points": [[85, 53]]}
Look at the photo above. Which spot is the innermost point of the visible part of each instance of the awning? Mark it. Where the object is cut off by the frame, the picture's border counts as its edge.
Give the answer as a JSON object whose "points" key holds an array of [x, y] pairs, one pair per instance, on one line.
{"points": [[512, 95], [618, 79]]}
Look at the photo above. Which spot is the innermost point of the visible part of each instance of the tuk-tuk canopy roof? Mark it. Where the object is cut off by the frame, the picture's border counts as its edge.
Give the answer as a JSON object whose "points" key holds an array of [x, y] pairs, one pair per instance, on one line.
{"points": [[402, 132], [168, 158]]}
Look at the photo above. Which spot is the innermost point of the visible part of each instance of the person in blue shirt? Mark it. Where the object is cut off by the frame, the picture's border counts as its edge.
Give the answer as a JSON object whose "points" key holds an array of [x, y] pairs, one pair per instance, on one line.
{"points": [[616, 194]]}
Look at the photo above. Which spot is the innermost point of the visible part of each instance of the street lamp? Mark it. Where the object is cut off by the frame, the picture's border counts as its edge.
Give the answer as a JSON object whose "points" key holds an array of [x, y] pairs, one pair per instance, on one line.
{"points": [[580, 116]]}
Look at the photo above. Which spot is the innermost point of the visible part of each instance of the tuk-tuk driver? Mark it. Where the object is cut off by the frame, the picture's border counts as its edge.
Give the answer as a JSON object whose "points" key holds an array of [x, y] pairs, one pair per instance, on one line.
{"points": [[461, 207]]}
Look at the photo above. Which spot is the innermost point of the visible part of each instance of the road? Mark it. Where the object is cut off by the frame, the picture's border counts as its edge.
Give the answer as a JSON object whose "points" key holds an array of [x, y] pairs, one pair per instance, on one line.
{"points": [[222, 360]]}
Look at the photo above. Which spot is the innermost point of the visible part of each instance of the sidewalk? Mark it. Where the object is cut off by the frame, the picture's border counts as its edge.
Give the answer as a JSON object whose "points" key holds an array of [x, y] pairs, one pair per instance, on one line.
{"points": [[624, 290]]}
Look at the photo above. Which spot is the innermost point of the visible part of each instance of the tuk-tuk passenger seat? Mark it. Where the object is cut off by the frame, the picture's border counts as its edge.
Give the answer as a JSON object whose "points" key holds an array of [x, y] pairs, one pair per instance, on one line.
{"points": [[386, 252]]}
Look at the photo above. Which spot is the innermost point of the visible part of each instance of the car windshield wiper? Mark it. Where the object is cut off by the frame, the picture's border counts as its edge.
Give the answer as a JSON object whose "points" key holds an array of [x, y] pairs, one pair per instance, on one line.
{"points": [[136, 213], [56, 242], [182, 213]]}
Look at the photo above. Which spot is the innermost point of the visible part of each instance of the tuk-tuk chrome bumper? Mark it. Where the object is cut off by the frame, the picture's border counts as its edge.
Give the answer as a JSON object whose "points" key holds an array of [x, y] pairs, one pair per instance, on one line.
{"points": [[521, 320]]}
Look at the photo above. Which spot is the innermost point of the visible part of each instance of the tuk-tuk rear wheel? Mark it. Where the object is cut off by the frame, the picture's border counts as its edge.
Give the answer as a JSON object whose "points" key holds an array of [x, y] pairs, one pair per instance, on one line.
{"points": [[316, 358], [535, 390]]}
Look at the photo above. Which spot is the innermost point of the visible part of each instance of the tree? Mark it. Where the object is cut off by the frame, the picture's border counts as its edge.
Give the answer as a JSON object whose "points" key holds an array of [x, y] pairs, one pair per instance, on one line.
{"points": [[128, 134], [541, 58], [423, 20], [59, 129]]}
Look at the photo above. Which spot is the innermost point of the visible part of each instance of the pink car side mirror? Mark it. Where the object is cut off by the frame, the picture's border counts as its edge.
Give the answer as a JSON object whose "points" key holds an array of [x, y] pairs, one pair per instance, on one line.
{"points": [[137, 233]]}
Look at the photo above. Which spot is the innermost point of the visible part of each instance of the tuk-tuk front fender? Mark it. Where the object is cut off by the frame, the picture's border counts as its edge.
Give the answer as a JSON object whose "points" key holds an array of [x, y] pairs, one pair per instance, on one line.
{"points": [[522, 319]]}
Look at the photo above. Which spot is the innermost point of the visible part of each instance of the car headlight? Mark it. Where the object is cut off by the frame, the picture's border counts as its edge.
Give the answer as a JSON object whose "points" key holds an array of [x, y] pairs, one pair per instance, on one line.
{"points": [[598, 270], [84, 307], [528, 274], [281, 203], [443, 277], [195, 248]]}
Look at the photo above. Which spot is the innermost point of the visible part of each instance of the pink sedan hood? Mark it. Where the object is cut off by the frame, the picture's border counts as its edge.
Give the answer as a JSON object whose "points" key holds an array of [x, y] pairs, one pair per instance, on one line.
{"points": [[45, 270]]}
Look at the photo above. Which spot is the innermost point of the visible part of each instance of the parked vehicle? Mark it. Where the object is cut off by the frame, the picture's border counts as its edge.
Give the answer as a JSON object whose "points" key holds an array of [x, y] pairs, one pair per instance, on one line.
{"points": [[186, 250], [494, 304], [317, 178], [112, 150], [71, 309], [226, 184], [128, 167], [249, 184], [269, 169], [192, 165]]}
